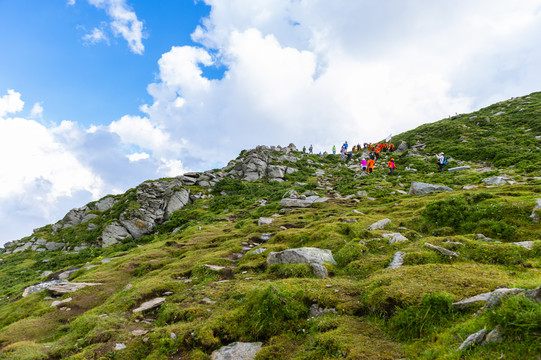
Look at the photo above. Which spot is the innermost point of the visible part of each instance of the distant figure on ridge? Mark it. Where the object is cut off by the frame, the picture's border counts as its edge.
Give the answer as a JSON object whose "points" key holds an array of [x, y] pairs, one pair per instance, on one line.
{"points": [[311, 149], [304, 149], [334, 150]]}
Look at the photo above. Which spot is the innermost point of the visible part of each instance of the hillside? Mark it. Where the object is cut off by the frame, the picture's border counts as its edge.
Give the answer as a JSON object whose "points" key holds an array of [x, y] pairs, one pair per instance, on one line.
{"points": [[299, 257]]}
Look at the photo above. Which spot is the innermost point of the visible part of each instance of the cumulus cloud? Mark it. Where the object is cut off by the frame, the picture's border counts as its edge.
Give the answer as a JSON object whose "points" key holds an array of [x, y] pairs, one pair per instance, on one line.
{"points": [[138, 156], [10, 103], [95, 37], [314, 72], [124, 23], [37, 111]]}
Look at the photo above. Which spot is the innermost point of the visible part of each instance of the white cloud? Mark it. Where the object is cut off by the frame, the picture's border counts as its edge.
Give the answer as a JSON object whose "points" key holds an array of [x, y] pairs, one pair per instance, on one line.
{"points": [[37, 111], [124, 23], [95, 37], [138, 156], [70, 2], [11, 103]]}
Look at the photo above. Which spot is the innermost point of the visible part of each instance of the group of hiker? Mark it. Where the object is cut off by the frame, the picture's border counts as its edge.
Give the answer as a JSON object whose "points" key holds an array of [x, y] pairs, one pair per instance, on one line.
{"points": [[374, 149]]}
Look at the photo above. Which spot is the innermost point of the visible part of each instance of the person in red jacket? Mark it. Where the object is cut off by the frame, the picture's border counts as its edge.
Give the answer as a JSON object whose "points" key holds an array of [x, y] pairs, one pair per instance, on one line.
{"points": [[391, 165]]}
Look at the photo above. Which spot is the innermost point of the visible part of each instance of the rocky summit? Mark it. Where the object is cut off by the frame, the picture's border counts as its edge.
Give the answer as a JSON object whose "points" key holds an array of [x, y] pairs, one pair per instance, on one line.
{"points": [[287, 255]]}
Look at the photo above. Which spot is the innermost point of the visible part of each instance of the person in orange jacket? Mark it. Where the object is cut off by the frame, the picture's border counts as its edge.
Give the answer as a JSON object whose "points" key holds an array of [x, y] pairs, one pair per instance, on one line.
{"points": [[370, 165], [391, 165]]}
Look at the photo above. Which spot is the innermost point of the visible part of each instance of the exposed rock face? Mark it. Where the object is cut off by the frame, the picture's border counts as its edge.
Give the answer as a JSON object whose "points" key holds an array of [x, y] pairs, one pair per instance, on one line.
{"points": [[256, 164], [379, 225], [484, 297], [75, 216], [105, 204], [237, 351], [419, 188], [113, 234]]}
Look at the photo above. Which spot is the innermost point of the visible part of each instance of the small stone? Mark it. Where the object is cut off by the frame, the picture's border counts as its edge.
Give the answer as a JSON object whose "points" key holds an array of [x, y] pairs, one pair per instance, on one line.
{"points": [[173, 336], [151, 304], [120, 346], [139, 332], [128, 287], [264, 221], [441, 250], [379, 225]]}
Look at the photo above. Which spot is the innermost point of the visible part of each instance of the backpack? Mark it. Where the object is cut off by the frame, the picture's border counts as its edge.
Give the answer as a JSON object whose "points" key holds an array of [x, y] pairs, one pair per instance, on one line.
{"points": [[444, 161]]}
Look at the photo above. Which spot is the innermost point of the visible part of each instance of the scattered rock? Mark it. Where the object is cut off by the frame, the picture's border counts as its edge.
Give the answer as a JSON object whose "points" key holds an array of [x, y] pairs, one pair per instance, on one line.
{"points": [[473, 339], [379, 225], [258, 251], [120, 347], [67, 287], [362, 193], [525, 244], [237, 351], [113, 234], [266, 237], [42, 286], [482, 237], [316, 311], [301, 203], [264, 221], [495, 336], [402, 147], [139, 332], [319, 270], [441, 250], [484, 297], [395, 238], [459, 168], [306, 255], [495, 180], [151, 304], [60, 302], [419, 188], [398, 260]]}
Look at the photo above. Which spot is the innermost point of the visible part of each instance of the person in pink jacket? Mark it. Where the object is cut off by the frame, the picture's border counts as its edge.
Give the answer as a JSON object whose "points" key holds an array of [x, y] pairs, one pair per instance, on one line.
{"points": [[363, 164]]}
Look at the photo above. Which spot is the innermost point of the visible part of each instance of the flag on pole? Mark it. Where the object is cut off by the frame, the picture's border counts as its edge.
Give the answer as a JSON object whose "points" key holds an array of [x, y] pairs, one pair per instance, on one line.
{"points": [[388, 138]]}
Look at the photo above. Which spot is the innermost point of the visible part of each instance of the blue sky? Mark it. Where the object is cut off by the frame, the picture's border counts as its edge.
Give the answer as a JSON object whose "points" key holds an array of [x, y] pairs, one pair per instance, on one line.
{"points": [[97, 96]]}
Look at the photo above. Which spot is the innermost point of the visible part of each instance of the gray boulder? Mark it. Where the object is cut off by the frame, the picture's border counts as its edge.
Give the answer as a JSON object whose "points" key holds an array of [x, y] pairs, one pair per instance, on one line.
{"points": [[264, 221], [177, 201], [473, 339], [52, 246], [496, 180], [113, 234], [75, 216], [305, 255], [41, 286], [395, 238], [67, 287], [301, 203], [493, 296], [237, 351], [151, 304], [379, 225], [459, 168], [419, 188], [402, 147]]}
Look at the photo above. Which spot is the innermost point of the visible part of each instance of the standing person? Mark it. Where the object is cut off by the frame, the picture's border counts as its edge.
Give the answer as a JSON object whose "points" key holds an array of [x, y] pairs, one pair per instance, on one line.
{"points": [[304, 149], [370, 165], [363, 164], [441, 161], [346, 145], [391, 165], [378, 149], [372, 156], [349, 155], [311, 149], [334, 150]]}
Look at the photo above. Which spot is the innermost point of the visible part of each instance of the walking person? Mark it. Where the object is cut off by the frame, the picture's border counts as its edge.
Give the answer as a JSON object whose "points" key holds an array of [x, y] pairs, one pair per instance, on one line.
{"points": [[441, 161], [391, 165], [334, 150], [311, 149], [370, 165], [363, 164]]}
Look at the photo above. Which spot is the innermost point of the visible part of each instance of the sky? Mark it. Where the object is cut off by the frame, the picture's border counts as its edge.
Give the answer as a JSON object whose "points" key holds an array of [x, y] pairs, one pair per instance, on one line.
{"points": [[97, 96]]}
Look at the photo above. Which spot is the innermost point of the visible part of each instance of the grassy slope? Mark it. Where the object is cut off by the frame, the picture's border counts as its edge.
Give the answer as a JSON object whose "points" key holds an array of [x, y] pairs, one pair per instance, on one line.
{"points": [[381, 313]]}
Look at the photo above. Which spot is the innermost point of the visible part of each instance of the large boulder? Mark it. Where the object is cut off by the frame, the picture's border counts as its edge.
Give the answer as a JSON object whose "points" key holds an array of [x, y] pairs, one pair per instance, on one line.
{"points": [[237, 351], [302, 203], [113, 234], [305, 255], [177, 201], [379, 225], [419, 188], [75, 216], [402, 147], [105, 204], [496, 180], [67, 287]]}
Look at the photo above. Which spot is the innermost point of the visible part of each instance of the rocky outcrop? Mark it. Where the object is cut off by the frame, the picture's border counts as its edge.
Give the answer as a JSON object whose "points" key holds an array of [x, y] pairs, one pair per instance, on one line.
{"points": [[237, 351], [483, 298], [395, 238], [419, 188], [398, 260], [256, 164], [496, 180], [67, 287], [402, 147], [113, 234]]}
